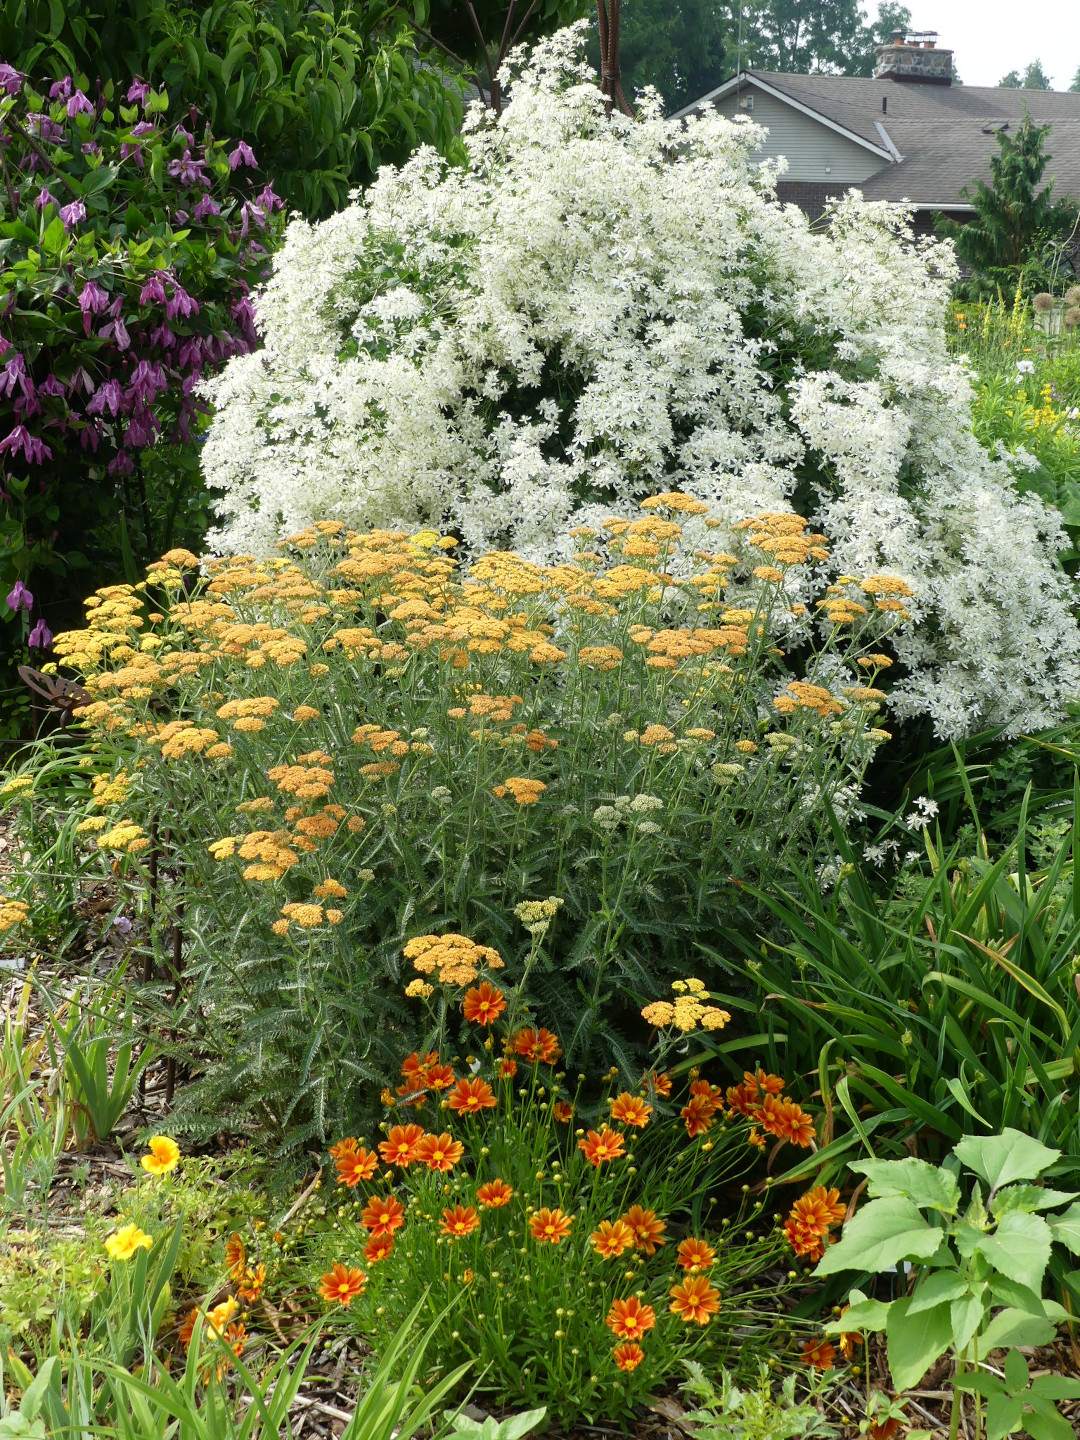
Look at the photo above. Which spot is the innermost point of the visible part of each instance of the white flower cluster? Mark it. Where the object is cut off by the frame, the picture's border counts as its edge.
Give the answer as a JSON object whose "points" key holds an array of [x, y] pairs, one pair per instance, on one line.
{"points": [[592, 310]]}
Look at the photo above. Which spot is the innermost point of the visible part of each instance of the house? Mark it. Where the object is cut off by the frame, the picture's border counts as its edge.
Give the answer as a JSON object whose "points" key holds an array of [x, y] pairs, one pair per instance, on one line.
{"points": [[908, 134]]}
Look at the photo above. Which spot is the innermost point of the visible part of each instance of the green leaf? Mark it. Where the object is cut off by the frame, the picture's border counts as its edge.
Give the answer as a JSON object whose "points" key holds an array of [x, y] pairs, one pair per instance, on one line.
{"points": [[939, 1289], [1004, 1414], [879, 1236], [1011, 1155], [914, 1342], [1056, 1387], [1020, 1249], [861, 1314], [1029, 1197], [54, 240], [927, 1185], [1016, 1371], [1016, 1327], [1066, 1228], [966, 1314]]}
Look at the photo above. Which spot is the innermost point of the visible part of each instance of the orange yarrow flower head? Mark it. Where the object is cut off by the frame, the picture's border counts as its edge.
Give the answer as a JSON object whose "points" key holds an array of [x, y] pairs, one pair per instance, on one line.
{"points": [[356, 1165], [341, 1285], [494, 1194], [627, 1109], [399, 1147], [455, 958], [601, 1146], [469, 1097], [648, 1230], [439, 1152], [483, 1004], [459, 1221], [630, 1319], [612, 1238], [550, 1227], [694, 1300]]}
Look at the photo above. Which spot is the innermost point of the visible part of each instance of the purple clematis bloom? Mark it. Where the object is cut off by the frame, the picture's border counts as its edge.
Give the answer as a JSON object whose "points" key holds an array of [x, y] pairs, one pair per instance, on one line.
{"points": [[138, 90], [181, 303], [189, 171], [116, 330], [34, 449], [206, 206], [10, 80], [153, 292], [40, 636], [72, 214], [108, 397], [46, 197], [61, 90], [19, 598], [79, 105], [242, 155]]}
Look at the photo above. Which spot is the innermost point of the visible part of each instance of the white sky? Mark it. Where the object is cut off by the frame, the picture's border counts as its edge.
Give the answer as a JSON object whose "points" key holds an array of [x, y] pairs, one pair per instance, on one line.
{"points": [[992, 37]]}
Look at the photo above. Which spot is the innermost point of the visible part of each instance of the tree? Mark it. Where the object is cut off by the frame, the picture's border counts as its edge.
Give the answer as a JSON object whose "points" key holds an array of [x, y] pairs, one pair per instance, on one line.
{"points": [[1033, 78], [680, 48], [1016, 215], [801, 36], [1074, 88], [890, 17]]}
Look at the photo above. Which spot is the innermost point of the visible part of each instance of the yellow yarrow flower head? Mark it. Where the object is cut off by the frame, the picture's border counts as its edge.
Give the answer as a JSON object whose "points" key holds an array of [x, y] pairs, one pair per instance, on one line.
{"points": [[124, 1242], [163, 1157]]}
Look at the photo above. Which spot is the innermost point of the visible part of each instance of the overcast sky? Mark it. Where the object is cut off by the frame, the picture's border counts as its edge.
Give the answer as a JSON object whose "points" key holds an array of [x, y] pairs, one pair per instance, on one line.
{"points": [[992, 37]]}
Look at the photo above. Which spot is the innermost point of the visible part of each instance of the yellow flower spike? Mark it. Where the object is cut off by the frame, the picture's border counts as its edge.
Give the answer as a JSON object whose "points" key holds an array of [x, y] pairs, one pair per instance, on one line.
{"points": [[123, 1244], [163, 1157]]}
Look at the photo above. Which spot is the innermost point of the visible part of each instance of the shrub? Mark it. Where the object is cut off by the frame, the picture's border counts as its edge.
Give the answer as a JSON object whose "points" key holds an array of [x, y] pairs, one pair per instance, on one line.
{"points": [[325, 94], [324, 755], [129, 249], [551, 1248], [595, 309]]}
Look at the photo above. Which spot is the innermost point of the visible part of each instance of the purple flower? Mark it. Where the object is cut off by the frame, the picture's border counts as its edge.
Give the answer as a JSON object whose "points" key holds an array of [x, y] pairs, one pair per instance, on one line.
{"points": [[10, 80], [123, 924], [34, 449], [92, 301], [121, 464], [40, 636], [72, 214], [144, 128], [44, 127], [181, 303], [241, 156], [138, 90], [189, 171], [147, 381], [108, 397], [46, 197], [19, 598], [79, 105], [53, 387], [61, 90], [153, 292], [13, 373], [91, 148], [116, 330], [163, 336], [181, 134], [206, 206], [268, 200]]}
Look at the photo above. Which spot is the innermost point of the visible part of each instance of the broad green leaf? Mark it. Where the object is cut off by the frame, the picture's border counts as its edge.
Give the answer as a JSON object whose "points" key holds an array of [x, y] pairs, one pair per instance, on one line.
{"points": [[1020, 1249], [1011, 1155], [925, 1184], [939, 1289], [966, 1315], [1004, 1414], [914, 1342], [1043, 1421], [1066, 1228], [860, 1314], [1016, 1327], [1029, 1197], [1056, 1387], [1016, 1371], [879, 1236]]}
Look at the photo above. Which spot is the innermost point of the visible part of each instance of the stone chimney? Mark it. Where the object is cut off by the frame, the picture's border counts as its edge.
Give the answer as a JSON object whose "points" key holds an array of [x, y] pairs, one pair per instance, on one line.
{"points": [[913, 57]]}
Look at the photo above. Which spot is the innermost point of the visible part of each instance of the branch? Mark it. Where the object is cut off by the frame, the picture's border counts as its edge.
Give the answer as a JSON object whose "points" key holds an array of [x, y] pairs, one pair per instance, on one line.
{"points": [[40, 153]]}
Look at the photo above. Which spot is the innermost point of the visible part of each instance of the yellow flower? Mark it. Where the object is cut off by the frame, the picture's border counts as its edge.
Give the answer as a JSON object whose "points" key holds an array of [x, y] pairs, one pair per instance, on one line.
{"points": [[163, 1157], [123, 1244]]}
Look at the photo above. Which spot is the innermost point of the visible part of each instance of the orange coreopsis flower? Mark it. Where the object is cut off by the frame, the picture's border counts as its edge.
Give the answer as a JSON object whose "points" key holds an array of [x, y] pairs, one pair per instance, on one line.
{"points": [[819, 1354], [494, 1194], [376, 1250], [506, 1068], [399, 1147], [356, 1165], [630, 1319], [347, 1146], [741, 1097], [811, 1218], [483, 1004], [187, 1328], [440, 1077], [342, 1285], [648, 1230], [550, 1227], [235, 1257], [628, 1355], [382, 1216], [694, 1300], [698, 1114], [603, 1145], [249, 1287], [660, 1083], [695, 1255], [536, 1045], [459, 1221], [627, 1109], [612, 1238], [439, 1152], [469, 1097], [766, 1083], [801, 1130], [563, 1112]]}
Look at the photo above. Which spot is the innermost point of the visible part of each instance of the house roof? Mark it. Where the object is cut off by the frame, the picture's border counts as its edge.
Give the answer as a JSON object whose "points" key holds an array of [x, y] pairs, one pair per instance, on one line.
{"points": [[945, 134]]}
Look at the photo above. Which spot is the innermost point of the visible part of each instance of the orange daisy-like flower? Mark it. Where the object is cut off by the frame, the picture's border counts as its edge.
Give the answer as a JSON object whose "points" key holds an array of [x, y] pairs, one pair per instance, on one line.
{"points": [[603, 1145], [695, 1255], [382, 1216], [250, 1287], [399, 1147], [459, 1221], [612, 1238], [627, 1109], [550, 1227], [698, 1114], [630, 1319], [648, 1230], [766, 1083], [356, 1165], [469, 1097], [628, 1355], [801, 1130], [754, 1137], [342, 1148], [494, 1194], [439, 1152], [483, 1004], [694, 1300], [376, 1250], [536, 1045], [563, 1112], [820, 1354], [811, 1218], [506, 1068], [235, 1257], [658, 1082], [341, 1285]]}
